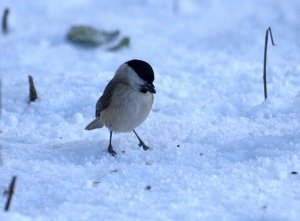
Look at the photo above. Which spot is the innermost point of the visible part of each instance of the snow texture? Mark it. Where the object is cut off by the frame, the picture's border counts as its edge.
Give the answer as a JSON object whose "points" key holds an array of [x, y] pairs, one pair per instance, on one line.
{"points": [[219, 151]]}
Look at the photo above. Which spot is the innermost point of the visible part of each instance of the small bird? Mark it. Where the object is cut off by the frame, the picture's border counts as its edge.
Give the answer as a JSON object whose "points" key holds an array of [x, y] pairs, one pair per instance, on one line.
{"points": [[126, 101]]}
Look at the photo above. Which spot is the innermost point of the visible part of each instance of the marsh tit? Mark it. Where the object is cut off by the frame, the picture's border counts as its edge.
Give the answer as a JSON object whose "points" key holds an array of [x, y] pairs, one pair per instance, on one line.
{"points": [[126, 101]]}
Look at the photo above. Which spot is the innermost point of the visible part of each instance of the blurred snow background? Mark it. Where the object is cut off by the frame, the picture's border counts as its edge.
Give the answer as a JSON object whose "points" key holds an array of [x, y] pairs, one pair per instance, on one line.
{"points": [[219, 151]]}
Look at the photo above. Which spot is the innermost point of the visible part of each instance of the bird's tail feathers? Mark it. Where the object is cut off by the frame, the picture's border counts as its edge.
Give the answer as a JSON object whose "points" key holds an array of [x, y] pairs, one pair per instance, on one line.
{"points": [[97, 123]]}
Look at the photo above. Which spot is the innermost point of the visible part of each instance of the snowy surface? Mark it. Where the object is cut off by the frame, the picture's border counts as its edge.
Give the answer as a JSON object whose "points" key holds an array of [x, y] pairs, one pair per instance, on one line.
{"points": [[219, 152]]}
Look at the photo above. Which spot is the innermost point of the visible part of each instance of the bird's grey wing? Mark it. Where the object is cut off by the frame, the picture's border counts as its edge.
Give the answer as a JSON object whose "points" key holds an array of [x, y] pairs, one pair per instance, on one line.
{"points": [[104, 101]]}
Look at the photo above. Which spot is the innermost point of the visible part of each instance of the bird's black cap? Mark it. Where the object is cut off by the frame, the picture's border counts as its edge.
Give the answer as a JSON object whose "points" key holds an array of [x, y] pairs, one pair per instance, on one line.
{"points": [[143, 69]]}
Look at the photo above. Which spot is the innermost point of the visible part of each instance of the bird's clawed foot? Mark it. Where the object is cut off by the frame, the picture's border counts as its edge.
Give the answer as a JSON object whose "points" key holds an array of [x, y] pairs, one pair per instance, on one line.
{"points": [[111, 151], [145, 147], [141, 144]]}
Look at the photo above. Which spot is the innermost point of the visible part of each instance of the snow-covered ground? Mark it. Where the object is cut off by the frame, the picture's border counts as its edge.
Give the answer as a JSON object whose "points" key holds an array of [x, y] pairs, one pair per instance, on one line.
{"points": [[219, 152]]}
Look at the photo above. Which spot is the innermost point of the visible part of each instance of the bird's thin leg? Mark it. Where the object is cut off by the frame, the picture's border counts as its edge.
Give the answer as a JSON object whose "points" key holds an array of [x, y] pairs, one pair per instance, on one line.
{"points": [[110, 148], [141, 144]]}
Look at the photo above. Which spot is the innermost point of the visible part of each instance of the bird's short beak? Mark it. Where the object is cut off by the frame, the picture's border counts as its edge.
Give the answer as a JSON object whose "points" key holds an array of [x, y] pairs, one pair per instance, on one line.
{"points": [[148, 87], [151, 88]]}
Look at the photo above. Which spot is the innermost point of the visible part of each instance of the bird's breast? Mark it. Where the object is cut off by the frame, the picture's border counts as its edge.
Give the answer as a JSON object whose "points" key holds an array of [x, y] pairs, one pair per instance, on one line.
{"points": [[128, 110]]}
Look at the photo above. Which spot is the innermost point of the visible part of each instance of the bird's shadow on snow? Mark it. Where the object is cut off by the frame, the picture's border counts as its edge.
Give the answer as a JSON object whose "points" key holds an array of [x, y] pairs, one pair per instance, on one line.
{"points": [[84, 152]]}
